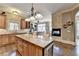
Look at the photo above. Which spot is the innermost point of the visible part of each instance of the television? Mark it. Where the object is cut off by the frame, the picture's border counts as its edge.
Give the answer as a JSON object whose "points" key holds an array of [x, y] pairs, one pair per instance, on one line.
{"points": [[56, 32]]}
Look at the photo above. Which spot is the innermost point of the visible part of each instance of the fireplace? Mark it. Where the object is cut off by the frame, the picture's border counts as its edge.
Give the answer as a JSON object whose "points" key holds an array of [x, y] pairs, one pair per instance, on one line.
{"points": [[56, 32]]}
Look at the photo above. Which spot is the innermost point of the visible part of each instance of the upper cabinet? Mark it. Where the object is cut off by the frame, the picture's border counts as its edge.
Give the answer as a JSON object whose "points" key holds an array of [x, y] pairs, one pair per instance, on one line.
{"points": [[25, 24], [2, 21]]}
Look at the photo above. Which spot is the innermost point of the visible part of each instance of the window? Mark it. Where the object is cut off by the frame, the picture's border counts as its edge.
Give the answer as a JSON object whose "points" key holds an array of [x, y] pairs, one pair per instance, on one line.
{"points": [[42, 27], [13, 26], [78, 28]]}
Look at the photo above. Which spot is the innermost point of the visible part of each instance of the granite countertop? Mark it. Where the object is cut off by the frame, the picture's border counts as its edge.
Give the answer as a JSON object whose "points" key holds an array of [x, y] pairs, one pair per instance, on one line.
{"points": [[6, 32], [37, 40]]}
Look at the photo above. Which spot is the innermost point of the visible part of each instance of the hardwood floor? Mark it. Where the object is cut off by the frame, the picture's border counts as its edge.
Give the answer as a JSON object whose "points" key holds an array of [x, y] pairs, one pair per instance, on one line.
{"points": [[7, 50], [61, 49]]}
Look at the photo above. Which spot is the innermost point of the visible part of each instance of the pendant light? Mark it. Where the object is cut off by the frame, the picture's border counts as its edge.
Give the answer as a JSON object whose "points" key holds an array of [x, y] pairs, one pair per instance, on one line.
{"points": [[34, 15]]}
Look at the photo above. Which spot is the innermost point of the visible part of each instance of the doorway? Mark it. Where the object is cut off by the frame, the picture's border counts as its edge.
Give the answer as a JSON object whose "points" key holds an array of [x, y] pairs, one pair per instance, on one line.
{"points": [[77, 28]]}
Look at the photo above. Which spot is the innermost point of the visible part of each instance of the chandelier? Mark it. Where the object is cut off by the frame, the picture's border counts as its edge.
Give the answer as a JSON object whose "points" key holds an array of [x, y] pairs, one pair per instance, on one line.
{"points": [[34, 15]]}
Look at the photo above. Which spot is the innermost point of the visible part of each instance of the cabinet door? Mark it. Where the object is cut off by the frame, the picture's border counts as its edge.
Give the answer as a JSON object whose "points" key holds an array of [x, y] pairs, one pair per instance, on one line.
{"points": [[20, 46], [4, 39], [2, 22], [39, 51], [23, 24], [27, 24], [32, 50], [26, 49], [11, 38]]}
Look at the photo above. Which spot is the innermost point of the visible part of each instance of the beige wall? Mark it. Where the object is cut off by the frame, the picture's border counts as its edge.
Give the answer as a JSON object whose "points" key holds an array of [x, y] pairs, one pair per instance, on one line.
{"points": [[67, 32], [61, 17]]}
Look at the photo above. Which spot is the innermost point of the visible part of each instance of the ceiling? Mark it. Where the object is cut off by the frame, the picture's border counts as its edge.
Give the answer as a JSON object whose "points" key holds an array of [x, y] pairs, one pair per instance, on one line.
{"points": [[44, 8]]}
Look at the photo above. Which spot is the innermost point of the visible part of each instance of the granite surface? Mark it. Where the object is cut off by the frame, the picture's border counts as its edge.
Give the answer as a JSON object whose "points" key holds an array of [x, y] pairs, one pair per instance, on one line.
{"points": [[5, 32], [37, 40]]}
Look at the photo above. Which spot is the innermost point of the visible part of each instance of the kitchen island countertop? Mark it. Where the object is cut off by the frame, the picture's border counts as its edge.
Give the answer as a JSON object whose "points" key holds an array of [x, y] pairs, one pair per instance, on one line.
{"points": [[37, 40]]}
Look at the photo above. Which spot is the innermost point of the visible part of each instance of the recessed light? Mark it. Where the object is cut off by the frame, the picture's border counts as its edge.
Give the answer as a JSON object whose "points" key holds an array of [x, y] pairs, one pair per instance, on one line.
{"points": [[15, 12]]}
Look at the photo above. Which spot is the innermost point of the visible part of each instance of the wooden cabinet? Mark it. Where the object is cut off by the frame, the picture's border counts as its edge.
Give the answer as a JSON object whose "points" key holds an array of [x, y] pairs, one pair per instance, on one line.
{"points": [[6, 39], [25, 49], [20, 47], [11, 38], [28, 49], [2, 21], [24, 24], [27, 24]]}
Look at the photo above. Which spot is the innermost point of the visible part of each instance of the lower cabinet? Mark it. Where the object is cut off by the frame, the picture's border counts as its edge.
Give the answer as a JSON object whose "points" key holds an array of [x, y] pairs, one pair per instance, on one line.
{"points": [[6, 39], [25, 49], [11, 38], [28, 49], [20, 47]]}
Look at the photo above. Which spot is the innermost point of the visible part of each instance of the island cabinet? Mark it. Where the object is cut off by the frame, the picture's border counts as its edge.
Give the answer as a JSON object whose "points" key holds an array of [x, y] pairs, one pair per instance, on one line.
{"points": [[30, 45], [25, 48]]}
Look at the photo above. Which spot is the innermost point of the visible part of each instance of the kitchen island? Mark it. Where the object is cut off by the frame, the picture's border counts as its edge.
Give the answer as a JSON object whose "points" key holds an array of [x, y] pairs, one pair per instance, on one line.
{"points": [[34, 45]]}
